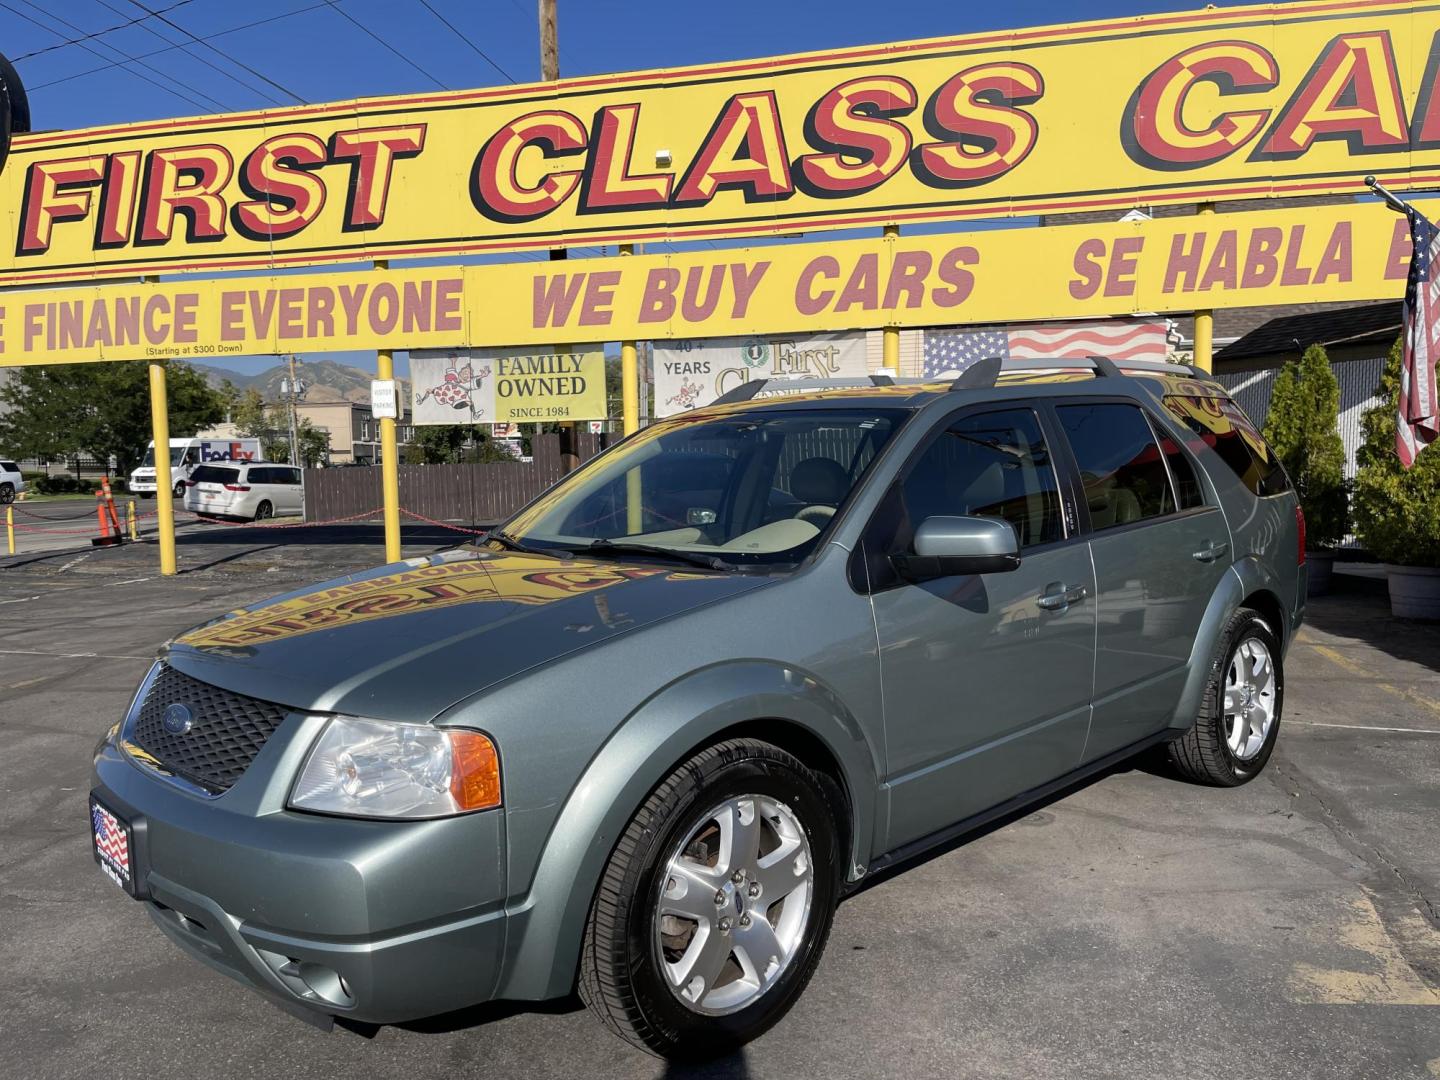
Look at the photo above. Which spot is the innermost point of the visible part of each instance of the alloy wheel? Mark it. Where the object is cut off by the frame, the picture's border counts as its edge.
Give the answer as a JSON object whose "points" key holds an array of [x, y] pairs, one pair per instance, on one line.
{"points": [[1249, 701], [733, 906]]}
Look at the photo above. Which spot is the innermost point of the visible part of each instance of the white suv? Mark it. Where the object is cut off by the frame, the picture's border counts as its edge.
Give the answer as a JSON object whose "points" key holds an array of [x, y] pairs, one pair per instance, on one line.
{"points": [[250, 490], [11, 482]]}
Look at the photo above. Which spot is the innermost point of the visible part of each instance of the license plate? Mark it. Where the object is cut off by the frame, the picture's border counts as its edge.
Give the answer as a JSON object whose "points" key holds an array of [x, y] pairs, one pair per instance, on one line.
{"points": [[113, 845]]}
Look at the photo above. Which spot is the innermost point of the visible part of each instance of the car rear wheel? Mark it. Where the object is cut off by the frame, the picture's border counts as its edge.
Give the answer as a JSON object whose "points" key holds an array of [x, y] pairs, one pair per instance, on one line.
{"points": [[1240, 715], [263, 511], [716, 902], [7, 493]]}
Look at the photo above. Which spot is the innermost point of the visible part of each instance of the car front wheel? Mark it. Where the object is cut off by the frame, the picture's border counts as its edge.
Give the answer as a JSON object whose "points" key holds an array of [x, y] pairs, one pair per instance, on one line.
{"points": [[716, 903], [1239, 719]]}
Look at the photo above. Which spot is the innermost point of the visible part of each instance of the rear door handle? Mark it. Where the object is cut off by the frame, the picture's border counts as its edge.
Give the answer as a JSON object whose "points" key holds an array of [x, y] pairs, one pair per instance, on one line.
{"points": [[1210, 552], [1058, 596]]}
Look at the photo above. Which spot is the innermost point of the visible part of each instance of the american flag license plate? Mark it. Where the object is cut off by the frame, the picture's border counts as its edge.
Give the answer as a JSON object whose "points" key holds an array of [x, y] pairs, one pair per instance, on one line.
{"points": [[111, 838]]}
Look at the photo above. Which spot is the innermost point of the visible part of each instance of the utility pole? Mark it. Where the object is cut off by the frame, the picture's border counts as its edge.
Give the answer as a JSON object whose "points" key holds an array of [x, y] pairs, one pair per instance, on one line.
{"points": [[293, 390], [550, 72]]}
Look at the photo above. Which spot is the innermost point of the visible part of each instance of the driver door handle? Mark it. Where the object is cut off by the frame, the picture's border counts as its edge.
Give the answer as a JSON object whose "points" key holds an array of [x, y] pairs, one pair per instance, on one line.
{"points": [[1210, 552], [1058, 596]]}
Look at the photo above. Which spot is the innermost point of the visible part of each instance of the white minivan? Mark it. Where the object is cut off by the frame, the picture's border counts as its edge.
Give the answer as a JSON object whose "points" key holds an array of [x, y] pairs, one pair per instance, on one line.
{"points": [[253, 490]]}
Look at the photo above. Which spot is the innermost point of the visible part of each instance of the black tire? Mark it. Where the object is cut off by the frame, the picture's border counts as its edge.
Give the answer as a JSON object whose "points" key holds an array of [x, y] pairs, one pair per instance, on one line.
{"points": [[1202, 754], [620, 975], [264, 511], [180, 490], [7, 493]]}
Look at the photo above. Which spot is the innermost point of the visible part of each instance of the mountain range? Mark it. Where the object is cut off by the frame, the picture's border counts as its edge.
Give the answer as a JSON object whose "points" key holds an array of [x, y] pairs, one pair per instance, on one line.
{"points": [[326, 380]]}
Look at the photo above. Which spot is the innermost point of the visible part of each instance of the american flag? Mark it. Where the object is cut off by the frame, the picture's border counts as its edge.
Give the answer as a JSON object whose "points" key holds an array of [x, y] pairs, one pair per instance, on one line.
{"points": [[949, 352], [1116, 339], [1418, 420], [111, 844]]}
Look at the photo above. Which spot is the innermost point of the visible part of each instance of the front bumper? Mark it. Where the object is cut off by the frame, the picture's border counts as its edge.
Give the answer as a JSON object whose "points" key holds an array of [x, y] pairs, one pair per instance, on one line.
{"points": [[378, 921]]}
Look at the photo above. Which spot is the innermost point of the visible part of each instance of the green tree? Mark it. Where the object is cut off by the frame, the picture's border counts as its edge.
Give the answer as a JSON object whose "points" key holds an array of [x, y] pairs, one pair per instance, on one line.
{"points": [[1303, 428], [450, 444], [1397, 510], [271, 425], [99, 409]]}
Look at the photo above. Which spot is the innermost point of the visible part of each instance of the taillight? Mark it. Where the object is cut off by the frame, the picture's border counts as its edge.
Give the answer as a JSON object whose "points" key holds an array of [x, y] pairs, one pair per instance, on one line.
{"points": [[1300, 534], [189, 483], [237, 487]]}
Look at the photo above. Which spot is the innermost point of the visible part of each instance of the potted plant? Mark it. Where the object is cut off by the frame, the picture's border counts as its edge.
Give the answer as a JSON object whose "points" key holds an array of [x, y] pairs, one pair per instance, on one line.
{"points": [[1397, 510], [1303, 428]]}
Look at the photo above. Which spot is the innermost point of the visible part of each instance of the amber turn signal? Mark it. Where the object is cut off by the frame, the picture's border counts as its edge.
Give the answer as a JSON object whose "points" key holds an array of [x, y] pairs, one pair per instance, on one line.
{"points": [[474, 771]]}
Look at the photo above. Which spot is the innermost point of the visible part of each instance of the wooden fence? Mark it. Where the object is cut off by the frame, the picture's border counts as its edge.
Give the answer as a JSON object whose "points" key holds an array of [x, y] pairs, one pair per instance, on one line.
{"points": [[458, 494]]}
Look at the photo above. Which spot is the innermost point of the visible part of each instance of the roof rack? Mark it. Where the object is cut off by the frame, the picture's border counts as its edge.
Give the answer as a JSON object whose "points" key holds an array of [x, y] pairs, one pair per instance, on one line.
{"points": [[981, 375]]}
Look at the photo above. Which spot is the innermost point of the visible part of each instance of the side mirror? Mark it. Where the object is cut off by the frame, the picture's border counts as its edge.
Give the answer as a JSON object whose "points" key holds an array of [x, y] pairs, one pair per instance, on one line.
{"points": [[945, 546]]}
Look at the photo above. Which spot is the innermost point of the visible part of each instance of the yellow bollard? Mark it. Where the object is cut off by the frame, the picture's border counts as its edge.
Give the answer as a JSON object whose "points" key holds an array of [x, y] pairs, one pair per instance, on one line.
{"points": [[130, 519], [10, 527]]}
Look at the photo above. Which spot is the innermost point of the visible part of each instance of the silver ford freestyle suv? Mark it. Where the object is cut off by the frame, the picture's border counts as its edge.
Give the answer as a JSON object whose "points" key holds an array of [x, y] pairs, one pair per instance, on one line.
{"points": [[643, 738]]}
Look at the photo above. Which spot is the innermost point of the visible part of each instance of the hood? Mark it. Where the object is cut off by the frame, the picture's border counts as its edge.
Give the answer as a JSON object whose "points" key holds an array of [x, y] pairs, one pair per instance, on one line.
{"points": [[406, 641]]}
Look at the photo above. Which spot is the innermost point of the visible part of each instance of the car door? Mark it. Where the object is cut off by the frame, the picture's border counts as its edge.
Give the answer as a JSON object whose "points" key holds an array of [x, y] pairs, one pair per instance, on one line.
{"points": [[1160, 548], [986, 678]]}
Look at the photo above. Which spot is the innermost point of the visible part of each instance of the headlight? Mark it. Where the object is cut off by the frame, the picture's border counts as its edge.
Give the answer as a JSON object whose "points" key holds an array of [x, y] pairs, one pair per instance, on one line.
{"points": [[375, 768]]}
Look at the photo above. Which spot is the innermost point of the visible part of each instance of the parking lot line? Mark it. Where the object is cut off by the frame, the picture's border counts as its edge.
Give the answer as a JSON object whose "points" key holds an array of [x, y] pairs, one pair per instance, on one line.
{"points": [[1363, 727], [1345, 663]]}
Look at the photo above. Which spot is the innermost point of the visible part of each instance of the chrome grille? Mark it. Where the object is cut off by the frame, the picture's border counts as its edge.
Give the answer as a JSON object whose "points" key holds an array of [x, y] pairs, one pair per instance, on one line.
{"points": [[227, 731]]}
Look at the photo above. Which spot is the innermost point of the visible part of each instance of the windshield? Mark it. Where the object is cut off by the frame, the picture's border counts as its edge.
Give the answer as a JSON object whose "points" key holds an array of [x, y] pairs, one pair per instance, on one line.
{"points": [[755, 488], [177, 453]]}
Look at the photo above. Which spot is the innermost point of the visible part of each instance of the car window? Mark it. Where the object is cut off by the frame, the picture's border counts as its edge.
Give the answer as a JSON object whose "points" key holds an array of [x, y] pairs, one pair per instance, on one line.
{"points": [[214, 474], [1120, 466], [1223, 426], [259, 475], [289, 476], [994, 464], [9, 466], [752, 487]]}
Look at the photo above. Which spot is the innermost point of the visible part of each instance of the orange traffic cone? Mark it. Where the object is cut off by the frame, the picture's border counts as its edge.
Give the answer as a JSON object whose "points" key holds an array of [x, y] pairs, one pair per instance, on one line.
{"points": [[107, 537]]}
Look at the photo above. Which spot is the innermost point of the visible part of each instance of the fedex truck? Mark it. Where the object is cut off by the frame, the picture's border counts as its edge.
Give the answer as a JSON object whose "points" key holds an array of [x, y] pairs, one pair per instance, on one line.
{"points": [[185, 454]]}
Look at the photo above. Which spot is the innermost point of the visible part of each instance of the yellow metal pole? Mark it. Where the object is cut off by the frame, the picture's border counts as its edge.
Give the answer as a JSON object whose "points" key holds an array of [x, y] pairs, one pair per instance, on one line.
{"points": [[10, 527], [164, 498], [1205, 322], [891, 334], [630, 422], [389, 455], [130, 519]]}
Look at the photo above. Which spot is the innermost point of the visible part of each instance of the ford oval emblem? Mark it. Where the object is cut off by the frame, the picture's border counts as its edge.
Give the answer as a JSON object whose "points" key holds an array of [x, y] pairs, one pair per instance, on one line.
{"points": [[178, 719]]}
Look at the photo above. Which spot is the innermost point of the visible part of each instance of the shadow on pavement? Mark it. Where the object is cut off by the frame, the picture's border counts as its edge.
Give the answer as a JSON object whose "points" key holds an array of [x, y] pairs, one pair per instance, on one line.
{"points": [[1359, 608]]}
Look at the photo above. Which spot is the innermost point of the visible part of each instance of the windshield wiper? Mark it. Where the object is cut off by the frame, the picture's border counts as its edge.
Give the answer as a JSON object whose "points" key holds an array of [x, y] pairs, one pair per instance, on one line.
{"points": [[694, 558], [508, 541]]}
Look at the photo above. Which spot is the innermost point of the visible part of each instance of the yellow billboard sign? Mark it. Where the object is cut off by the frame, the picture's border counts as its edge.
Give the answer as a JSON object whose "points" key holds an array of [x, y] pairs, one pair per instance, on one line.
{"points": [[1226, 103], [1353, 252]]}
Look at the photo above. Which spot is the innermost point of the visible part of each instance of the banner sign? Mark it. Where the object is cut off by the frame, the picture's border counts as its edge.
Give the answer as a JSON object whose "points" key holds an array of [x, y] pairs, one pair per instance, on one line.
{"points": [[498, 386], [688, 374], [1227, 103], [1346, 253]]}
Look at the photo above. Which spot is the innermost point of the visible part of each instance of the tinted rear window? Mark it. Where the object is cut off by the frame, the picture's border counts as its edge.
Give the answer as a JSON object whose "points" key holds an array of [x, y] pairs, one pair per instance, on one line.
{"points": [[1223, 426], [214, 474], [9, 466]]}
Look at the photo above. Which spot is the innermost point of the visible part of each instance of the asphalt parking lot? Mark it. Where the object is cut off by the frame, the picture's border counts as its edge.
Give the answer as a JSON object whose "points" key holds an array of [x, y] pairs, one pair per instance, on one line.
{"points": [[1137, 927]]}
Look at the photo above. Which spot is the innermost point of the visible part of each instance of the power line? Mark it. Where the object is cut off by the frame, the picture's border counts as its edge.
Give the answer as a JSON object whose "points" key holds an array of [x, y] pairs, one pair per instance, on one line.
{"points": [[98, 33], [125, 63], [249, 88], [199, 41], [341, 11], [461, 35], [171, 48]]}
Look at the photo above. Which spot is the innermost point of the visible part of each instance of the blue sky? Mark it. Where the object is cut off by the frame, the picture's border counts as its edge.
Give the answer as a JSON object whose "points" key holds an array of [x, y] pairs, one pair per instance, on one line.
{"points": [[310, 49]]}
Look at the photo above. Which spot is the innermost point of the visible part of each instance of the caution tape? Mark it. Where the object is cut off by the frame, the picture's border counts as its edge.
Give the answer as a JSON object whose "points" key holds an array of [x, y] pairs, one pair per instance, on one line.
{"points": [[443, 524]]}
